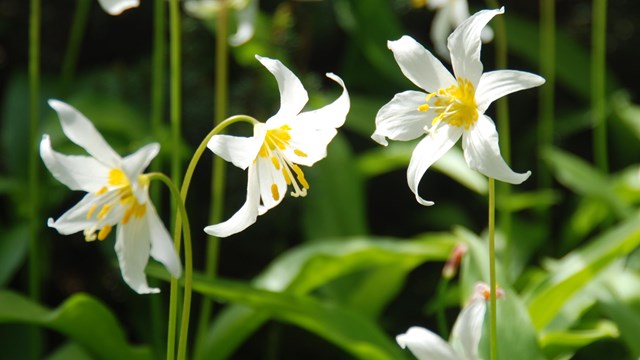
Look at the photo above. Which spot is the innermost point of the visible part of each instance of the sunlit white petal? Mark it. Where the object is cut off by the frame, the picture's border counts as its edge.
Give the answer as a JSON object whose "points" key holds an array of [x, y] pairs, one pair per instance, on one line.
{"points": [[132, 248], [162, 248], [419, 65], [466, 333], [482, 153], [399, 119], [496, 84], [426, 345], [74, 219], [246, 19], [440, 30], [269, 177], [116, 7], [241, 151], [330, 116], [428, 151], [293, 96]]}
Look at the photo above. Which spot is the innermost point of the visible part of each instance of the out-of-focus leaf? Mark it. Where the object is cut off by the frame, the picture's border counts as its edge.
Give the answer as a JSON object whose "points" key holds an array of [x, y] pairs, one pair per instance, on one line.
{"points": [[336, 204], [398, 154], [343, 327], [584, 179], [13, 249], [362, 114], [69, 351], [589, 214], [570, 274], [310, 266], [81, 318], [564, 343], [517, 338], [534, 199], [627, 112]]}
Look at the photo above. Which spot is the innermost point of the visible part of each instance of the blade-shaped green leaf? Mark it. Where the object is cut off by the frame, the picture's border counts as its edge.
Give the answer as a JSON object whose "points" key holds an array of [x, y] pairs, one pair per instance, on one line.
{"points": [[564, 343], [81, 318]]}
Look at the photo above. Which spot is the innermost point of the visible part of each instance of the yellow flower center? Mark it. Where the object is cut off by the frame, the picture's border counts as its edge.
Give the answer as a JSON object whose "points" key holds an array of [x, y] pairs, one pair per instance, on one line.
{"points": [[275, 142], [455, 105], [121, 200]]}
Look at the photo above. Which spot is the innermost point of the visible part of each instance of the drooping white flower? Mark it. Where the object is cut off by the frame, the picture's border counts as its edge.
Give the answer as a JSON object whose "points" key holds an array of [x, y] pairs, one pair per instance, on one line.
{"points": [[273, 154], [453, 106], [465, 336], [117, 7], [245, 11], [117, 195]]}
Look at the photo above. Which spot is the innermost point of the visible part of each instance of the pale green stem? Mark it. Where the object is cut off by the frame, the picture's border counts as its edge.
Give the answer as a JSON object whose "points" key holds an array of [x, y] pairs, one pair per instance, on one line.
{"points": [[219, 165], [78, 27], [493, 323], [598, 91], [441, 318], [188, 258], [174, 21], [547, 71], [35, 17], [177, 240]]}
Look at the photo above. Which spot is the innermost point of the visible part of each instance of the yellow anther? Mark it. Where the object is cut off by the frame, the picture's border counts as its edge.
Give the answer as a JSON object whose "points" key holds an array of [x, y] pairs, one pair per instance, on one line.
{"points": [[455, 105], [117, 177], [104, 211], [424, 107], [300, 176], [299, 153], [102, 190], [104, 232], [276, 163], [92, 209], [274, 192]]}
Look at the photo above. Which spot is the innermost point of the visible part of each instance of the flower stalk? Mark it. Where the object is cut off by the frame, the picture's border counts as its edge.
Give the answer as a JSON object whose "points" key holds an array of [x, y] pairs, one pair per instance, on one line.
{"points": [[493, 322]]}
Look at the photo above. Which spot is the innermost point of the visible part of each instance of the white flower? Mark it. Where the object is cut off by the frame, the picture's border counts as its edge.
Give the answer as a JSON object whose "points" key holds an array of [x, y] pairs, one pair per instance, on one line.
{"points": [[465, 337], [116, 7], [272, 155], [117, 194], [454, 106], [246, 12]]}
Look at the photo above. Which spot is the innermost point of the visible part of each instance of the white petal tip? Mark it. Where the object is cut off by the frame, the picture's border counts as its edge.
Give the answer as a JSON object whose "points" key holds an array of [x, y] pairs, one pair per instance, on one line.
{"points": [[214, 230], [380, 139], [148, 290], [400, 339], [51, 223]]}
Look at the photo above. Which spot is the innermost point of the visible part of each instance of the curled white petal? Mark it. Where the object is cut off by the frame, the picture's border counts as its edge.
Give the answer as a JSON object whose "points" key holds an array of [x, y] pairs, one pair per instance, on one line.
{"points": [[482, 153], [133, 166], [419, 65], [247, 214], [241, 151], [428, 151], [329, 116], [399, 119], [496, 84], [132, 247], [116, 7], [425, 345], [162, 248], [82, 132], [293, 96], [75, 219], [246, 18], [467, 331]]}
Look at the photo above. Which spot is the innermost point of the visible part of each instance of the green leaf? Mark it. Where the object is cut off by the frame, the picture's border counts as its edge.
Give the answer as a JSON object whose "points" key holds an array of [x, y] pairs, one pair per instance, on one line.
{"points": [[345, 328], [311, 266], [564, 343], [14, 244], [81, 318], [584, 179], [69, 351], [579, 268]]}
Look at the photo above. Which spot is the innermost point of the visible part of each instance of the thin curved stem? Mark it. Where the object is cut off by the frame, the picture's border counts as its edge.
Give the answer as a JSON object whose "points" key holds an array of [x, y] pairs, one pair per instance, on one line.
{"points": [[493, 332]]}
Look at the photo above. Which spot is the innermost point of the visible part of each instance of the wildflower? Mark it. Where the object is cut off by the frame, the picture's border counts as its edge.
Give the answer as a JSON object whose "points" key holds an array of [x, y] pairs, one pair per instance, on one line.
{"points": [[272, 155], [454, 106], [246, 12], [117, 194], [116, 7], [465, 337]]}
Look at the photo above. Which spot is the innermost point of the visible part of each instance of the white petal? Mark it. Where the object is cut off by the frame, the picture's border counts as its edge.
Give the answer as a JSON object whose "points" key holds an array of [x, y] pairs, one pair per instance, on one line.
{"points": [[428, 151], [464, 45], [440, 29], [481, 150], [75, 219], [496, 84], [269, 176], [330, 116], [313, 143], [241, 151], [293, 96], [132, 247], [399, 119], [133, 166], [82, 132], [426, 345], [419, 65], [459, 12], [247, 214], [76, 172], [246, 19], [116, 7], [162, 248], [467, 330]]}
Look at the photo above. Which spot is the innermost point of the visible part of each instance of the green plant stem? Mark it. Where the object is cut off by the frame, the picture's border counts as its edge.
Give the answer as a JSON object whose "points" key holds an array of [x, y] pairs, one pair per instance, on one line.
{"points": [[35, 18], [547, 92], [219, 165], [174, 23], [188, 259], [441, 318], [173, 301], [78, 27], [598, 90], [493, 324]]}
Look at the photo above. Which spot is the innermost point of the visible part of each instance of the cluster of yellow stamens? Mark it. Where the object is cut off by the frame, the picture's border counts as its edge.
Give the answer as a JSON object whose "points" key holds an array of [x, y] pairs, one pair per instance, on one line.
{"points": [[120, 198], [275, 141], [455, 105]]}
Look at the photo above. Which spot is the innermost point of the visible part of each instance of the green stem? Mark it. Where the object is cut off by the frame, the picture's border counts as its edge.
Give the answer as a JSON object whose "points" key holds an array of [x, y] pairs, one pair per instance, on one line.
{"points": [[441, 318], [174, 15], [598, 91], [219, 165], [188, 259], [78, 27], [547, 70], [493, 327], [34, 201]]}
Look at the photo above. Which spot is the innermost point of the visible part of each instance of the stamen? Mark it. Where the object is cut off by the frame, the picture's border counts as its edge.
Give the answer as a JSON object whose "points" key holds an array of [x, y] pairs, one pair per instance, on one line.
{"points": [[104, 211], [455, 105], [102, 190], [274, 192], [104, 232], [299, 153], [91, 211]]}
